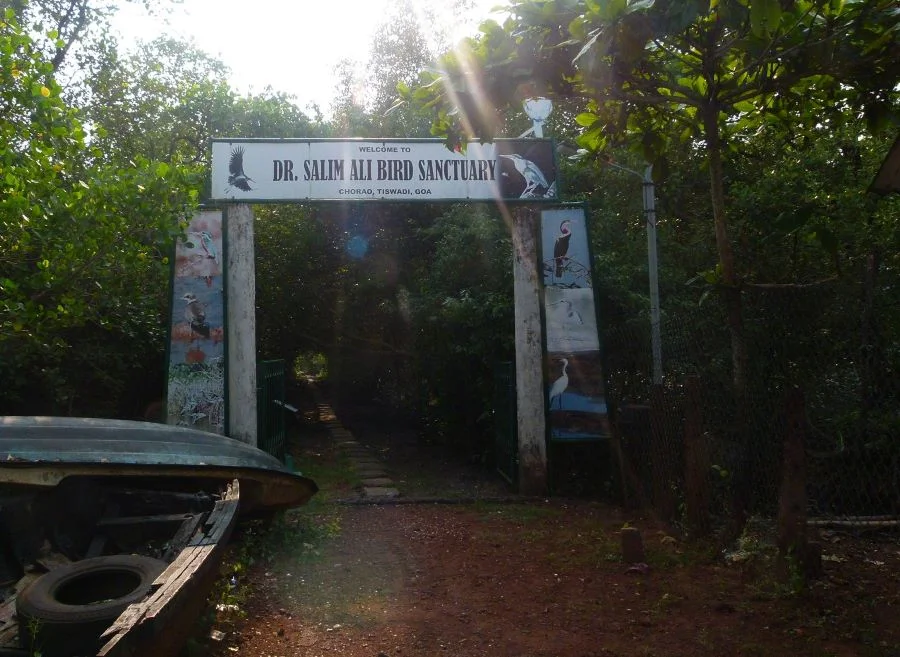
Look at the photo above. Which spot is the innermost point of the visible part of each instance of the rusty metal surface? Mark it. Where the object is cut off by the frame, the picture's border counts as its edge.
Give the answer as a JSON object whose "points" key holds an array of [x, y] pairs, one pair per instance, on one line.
{"points": [[44, 450]]}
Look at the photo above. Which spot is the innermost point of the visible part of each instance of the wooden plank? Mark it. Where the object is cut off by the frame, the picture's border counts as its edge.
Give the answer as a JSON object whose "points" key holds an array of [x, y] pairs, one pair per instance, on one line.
{"points": [[215, 534], [199, 555], [8, 610], [9, 635], [183, 535], [95, 549], [51, 560], [143, 520], [25, 580]]}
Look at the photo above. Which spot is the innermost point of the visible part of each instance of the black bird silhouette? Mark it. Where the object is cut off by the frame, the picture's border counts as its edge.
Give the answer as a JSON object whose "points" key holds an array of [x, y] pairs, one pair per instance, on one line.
{"points": [[561, 246], [236, 175]]}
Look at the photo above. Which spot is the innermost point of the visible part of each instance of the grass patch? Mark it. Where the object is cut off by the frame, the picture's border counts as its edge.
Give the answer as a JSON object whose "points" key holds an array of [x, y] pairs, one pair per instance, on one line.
{"points": [[295, 535], [317, 458]]}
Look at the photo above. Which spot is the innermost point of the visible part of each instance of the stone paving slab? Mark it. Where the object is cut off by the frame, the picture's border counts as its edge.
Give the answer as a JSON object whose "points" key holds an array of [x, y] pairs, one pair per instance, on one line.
{"points": [[378, 491], [367, 463], [378, 482], [370, 471], [375, 482]]}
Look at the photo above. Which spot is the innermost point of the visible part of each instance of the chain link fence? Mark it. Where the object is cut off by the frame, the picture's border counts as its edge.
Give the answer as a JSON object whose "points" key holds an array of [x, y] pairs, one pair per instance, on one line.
{"points": [[697, 452]]}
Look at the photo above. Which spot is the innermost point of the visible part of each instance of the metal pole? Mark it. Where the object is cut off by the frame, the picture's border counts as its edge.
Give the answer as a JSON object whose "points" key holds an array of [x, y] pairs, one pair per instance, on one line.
{"points": [[649, 190], [653, 274]]}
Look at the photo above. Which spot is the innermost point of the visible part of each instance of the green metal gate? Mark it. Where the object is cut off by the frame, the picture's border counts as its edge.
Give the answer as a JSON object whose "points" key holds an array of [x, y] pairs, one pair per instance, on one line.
{"points": [[270, 407], [506, 442]]}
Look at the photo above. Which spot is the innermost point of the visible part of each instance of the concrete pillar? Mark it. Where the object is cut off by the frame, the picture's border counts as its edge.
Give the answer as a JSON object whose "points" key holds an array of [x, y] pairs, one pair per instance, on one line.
{"points": [[240, 307], [529, 351]]}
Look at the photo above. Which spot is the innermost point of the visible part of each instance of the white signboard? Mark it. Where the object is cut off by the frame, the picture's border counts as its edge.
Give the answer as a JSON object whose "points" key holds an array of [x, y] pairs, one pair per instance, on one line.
{"points": [[288, 170]]}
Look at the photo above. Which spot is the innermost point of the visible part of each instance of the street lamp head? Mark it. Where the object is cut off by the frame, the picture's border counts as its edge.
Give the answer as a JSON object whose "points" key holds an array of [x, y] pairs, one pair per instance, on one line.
{"points": [[538, 109]]}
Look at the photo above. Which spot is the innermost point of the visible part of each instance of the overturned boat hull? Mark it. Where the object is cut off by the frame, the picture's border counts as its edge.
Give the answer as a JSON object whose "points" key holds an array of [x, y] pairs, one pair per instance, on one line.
{"points": [[80, 497], [42, 451]]}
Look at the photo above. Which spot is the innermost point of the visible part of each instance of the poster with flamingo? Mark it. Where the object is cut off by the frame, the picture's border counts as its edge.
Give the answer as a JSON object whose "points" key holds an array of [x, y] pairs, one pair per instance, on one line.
{"points": [[576, 389], [195, 394]]}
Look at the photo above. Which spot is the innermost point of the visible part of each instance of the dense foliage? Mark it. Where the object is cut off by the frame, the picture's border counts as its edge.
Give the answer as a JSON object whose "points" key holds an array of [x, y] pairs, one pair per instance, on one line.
{"points": [[84, 243], [765, 121], [787, 109]]}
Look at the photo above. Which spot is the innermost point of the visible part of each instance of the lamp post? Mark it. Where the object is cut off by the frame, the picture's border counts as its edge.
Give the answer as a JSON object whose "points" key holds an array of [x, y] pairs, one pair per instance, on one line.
{"points": [[649, 190], [537, 109]]}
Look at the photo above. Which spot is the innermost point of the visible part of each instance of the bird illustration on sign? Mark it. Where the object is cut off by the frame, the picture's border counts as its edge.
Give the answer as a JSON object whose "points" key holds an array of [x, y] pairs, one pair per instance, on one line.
{"points": [[570, 321], [559, 386], [208, 245], [561, 246], [569, 313], [236, 176], [195, 315], [532, 175]]}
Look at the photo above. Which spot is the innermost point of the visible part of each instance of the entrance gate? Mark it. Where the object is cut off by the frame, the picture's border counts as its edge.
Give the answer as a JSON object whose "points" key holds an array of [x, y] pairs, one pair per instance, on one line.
{"points": [[516, 174]]}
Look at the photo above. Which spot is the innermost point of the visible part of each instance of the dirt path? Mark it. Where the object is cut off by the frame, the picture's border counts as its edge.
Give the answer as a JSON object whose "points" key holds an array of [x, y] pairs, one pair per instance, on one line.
{"points": [[543, 579]]}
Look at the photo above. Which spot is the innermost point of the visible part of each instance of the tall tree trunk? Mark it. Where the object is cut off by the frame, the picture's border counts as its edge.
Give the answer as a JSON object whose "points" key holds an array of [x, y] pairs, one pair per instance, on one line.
{"points": [[731, 293]]}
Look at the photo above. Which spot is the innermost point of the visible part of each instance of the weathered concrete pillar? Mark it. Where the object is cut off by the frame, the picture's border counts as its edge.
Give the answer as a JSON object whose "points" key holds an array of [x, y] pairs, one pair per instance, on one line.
{"points": [[529, 352], [240, 306]]}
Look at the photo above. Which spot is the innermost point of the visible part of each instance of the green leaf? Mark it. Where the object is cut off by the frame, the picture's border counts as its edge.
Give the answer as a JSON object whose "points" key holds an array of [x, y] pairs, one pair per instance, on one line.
{"points": [[162, 169], [827, 239], [765, 15], [588, 45], [586, 119], [639, 5], [594, 139]]}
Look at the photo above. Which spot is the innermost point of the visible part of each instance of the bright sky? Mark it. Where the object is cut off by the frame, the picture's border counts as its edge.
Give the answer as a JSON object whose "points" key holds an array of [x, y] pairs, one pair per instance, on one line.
{"points": [[293, 46]]}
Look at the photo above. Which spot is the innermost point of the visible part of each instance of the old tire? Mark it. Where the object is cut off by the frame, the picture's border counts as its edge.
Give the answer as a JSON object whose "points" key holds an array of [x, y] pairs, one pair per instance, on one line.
{"points": [[63, 613]]}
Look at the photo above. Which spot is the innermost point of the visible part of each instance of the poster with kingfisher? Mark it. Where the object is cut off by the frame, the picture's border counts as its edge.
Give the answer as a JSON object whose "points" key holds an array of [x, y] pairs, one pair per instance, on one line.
{"points": [[195, 395]]}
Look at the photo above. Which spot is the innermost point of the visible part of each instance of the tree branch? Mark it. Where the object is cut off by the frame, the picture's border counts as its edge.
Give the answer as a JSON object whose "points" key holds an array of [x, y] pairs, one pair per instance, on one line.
{"points": [[790, 286]]}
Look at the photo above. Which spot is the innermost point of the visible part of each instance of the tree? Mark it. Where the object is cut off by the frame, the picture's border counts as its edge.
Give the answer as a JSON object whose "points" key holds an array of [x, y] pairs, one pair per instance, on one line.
{"points": [[167, 100], [462, 321], [716, 70], [163, 101], [399, 51], [349, 117], [83, 242]]}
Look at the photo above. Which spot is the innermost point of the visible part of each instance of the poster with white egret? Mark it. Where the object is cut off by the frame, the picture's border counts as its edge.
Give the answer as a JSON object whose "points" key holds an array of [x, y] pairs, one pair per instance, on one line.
{"points": [[576, 389], [576, 397], [571, 323], [564, 244], [195, 394]]}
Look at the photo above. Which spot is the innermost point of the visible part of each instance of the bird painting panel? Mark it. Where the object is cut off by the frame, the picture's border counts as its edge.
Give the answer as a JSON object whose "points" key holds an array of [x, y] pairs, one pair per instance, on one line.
{"points": [[571, 322], [199, 253], [197, 331], [576, 397], [564, 244], [527, 170], [195, 380]]}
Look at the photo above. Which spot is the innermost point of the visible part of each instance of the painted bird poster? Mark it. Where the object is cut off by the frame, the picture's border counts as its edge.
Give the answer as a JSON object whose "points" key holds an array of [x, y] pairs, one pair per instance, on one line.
{"points": [[195, 395], [576, 390]]}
